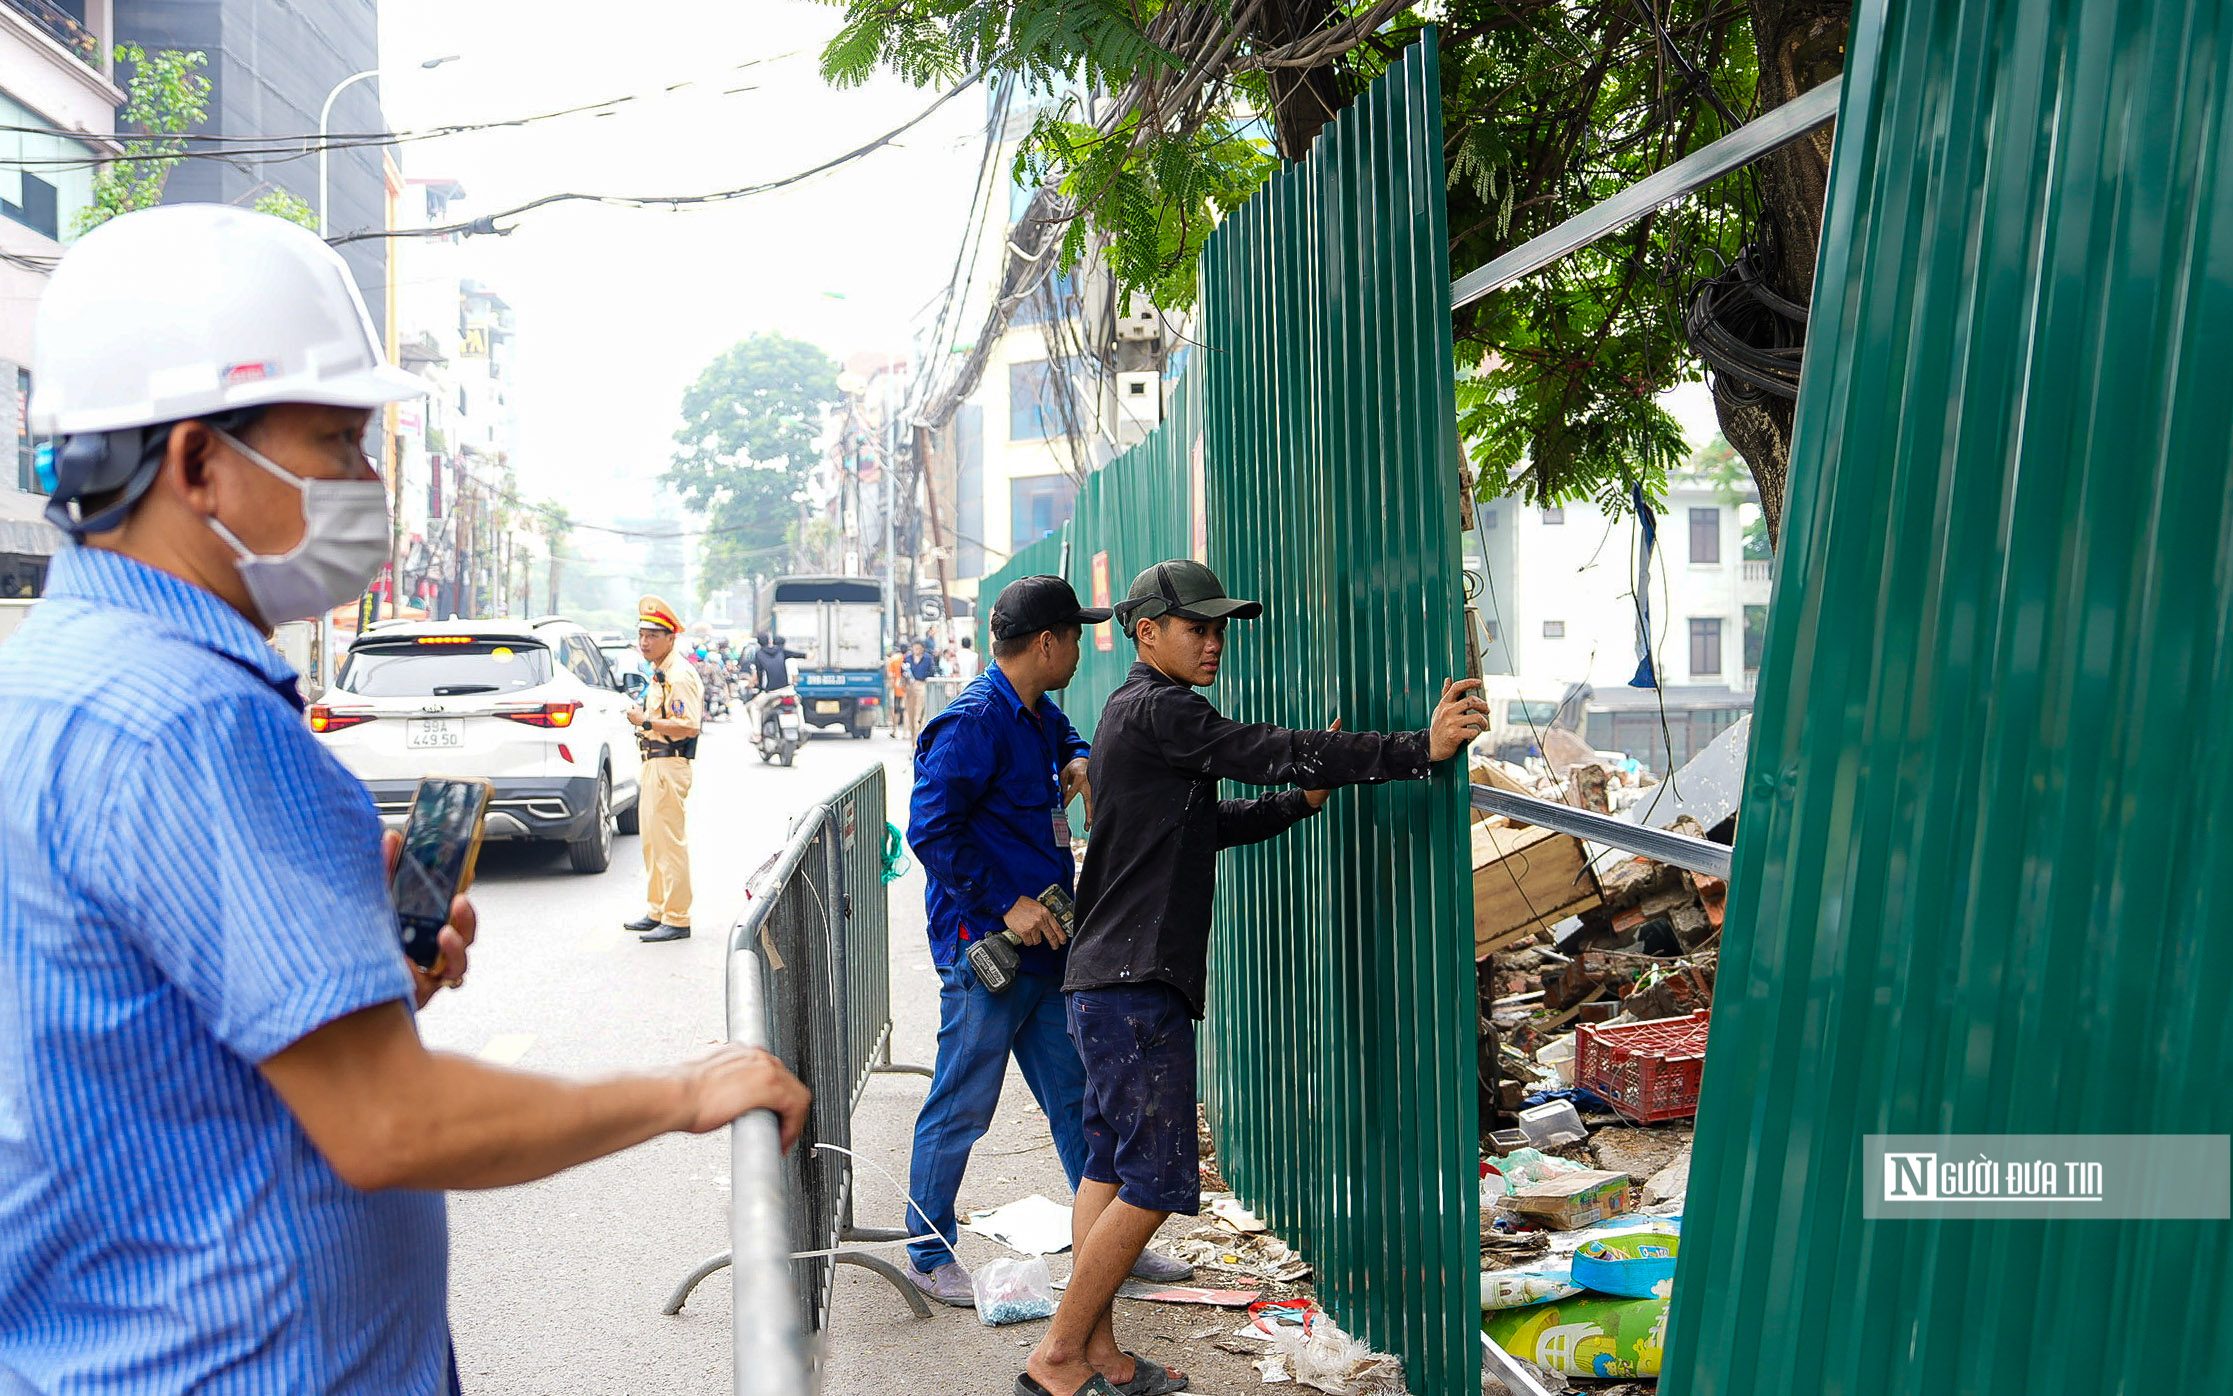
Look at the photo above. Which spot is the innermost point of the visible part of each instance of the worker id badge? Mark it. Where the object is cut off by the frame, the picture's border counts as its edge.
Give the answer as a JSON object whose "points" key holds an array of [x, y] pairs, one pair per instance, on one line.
{"points": [[1061, 829]]}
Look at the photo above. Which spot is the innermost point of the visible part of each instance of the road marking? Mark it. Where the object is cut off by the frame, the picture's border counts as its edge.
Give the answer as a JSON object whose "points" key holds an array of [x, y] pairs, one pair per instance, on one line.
{"points": [[507, 1047]]}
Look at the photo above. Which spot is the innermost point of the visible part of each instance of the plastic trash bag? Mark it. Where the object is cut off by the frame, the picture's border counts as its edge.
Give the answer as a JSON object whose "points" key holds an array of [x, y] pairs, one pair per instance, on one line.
{"points": [[1013, 1291]]}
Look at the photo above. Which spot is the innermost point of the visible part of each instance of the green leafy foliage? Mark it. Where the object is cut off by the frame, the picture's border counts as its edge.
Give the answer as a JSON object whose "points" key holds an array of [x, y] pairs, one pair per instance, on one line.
{"points": [[1549, 106], [746, 441], [281, 204], [164, 97]]}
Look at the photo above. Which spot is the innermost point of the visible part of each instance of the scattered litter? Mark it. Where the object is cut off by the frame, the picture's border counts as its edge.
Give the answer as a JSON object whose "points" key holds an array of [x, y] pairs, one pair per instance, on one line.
{"points": [[1320, 1355], [1635, 1265], [1502, 1176], [1552, 1123], [1516, 1289], [1588, 1335], [1573, 1199], [1034, 1225], [1013, 1291], [1273, 1370], [1230, 1211]]}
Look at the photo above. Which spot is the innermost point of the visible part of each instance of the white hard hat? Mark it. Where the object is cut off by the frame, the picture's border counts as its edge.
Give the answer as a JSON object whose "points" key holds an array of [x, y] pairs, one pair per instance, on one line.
{"points": [[193, 309]]}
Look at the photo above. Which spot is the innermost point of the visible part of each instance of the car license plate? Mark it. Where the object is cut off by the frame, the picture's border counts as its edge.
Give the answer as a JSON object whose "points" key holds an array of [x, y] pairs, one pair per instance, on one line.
{"points": [[435, 731], [829, 705]]}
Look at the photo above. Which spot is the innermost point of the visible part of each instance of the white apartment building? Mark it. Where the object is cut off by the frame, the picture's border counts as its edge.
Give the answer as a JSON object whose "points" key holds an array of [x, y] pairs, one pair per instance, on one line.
{"points": [[1074, 380], [1560, 601], [55, 76]]}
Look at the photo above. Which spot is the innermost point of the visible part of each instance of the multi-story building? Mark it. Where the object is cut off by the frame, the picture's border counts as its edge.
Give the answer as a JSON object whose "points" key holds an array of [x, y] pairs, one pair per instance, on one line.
{"points": [[271, 69], [58, 105], [1560, 601], [1074, 378], [463, 532]]}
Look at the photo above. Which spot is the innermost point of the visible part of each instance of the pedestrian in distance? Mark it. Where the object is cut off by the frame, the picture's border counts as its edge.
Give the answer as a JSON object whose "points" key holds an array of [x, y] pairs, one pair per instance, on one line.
{"points": [[1139, 960], [967, 663], [895, 691], [994, 773], [919, 665], [223, 1146], [667, 728]]}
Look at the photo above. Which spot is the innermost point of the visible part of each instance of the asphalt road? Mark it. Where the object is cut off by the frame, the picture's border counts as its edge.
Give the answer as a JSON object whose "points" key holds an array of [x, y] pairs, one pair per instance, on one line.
{"points": [[556, 1287]]}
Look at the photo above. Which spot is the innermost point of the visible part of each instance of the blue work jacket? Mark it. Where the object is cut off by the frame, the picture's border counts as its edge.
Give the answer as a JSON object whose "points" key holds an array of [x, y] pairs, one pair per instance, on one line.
{"points": [[986, 818]]}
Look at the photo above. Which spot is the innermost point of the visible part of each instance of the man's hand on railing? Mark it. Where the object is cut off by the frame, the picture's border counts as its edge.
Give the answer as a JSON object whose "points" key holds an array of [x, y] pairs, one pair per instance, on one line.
{"points": [[733, 1080]]}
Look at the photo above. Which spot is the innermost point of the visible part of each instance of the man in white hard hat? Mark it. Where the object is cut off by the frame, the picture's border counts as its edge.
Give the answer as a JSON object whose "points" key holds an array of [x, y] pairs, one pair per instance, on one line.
{"points": [[222, 1145]]}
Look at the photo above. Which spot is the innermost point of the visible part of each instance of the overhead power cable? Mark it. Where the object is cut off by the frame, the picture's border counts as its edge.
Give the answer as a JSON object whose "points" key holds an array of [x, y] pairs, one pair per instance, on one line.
{"points": [[242, 147], [486, 223]]}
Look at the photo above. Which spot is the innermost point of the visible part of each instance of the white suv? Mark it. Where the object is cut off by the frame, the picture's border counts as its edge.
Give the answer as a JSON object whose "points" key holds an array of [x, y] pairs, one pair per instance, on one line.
{"points": [[531, 706]]}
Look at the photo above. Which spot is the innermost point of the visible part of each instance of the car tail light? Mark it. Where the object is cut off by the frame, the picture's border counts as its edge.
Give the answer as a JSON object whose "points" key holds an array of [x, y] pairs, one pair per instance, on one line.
{"points": [[871, 702], [543, 714], [566, 753], [325, 719], [447, 640]]}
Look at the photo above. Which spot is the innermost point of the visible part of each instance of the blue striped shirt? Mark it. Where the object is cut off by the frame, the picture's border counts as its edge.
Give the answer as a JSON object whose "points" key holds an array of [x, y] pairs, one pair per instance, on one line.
{"points": [[188, 884]]}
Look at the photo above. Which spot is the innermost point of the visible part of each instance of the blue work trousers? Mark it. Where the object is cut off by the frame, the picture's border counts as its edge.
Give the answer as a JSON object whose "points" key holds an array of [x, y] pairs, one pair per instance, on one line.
{"points": [[977, 1032]]}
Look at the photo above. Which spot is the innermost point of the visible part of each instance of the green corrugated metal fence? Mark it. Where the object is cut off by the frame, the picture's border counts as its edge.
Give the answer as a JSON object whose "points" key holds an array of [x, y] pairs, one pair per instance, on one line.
{"points": [[1338, 1060], [1975, 878]]}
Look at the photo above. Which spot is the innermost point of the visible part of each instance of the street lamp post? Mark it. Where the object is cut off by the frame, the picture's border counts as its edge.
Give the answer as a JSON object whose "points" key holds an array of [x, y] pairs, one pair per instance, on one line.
{"points": [[325, 114]]}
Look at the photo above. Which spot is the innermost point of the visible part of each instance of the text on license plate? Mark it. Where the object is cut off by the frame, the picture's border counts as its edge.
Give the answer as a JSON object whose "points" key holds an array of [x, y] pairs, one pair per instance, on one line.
{"points": [[828, 705], [435, 731]]}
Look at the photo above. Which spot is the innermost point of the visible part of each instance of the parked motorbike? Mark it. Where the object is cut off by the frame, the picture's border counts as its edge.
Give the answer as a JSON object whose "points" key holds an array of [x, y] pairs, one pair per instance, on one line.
{"points": [[781, 730]]}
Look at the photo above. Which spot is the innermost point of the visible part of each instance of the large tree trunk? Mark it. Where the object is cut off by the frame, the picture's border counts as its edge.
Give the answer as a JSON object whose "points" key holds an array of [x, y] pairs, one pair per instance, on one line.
{"points": [[1303, 99], [1801, 44]]}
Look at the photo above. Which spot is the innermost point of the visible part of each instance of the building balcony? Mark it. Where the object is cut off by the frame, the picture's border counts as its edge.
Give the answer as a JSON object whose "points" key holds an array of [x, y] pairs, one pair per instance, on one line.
{"points": [[1755, 571], [59, 24]]}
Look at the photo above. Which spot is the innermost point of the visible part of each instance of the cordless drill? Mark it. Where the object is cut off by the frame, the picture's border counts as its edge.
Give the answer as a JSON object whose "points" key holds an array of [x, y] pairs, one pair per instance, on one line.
{"points": [[996, 957]]}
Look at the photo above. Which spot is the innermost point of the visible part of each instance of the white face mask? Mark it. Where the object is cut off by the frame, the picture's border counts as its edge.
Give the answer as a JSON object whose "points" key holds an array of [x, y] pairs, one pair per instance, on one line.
{"points": [[344, 543]]}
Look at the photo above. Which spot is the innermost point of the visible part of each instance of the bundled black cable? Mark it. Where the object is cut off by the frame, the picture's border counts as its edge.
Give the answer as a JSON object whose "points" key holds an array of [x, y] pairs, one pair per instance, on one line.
{"points": [[1752, 338]]}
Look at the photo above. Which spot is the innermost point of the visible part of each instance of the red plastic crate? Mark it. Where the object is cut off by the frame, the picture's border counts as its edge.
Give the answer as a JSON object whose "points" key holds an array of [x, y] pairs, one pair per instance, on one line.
{"points": [[1647, 1071]]}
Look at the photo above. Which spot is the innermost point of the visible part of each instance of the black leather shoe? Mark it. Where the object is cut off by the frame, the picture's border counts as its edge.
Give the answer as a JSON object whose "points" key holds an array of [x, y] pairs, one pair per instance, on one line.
{"points": [[668, 933], [641, 923]]}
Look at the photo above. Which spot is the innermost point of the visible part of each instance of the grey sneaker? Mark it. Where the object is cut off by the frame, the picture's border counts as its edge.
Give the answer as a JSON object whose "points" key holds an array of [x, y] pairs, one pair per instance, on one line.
{"points": [[948, 1284], [1158, 1268]]}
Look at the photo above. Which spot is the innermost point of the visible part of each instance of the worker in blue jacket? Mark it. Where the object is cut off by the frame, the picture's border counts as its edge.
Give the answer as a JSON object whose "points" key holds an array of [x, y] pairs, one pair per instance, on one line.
{"points": [[994, 774]]}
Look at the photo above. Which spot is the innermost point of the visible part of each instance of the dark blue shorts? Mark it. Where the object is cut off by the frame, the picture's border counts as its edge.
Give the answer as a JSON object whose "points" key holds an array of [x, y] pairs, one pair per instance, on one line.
{"points": [[1137, 1041]]}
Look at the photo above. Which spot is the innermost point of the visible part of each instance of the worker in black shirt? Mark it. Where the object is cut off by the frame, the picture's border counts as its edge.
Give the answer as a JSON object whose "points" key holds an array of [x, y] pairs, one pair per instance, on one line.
{"points": [[1140, 954]]}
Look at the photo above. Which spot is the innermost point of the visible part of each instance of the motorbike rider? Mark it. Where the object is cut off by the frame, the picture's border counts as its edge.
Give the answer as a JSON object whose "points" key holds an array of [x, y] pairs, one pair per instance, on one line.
{"points": [[770, 672]]}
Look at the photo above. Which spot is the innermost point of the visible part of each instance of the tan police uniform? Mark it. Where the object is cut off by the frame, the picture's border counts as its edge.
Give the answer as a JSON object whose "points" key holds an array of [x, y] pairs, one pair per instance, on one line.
{"points": [[677, 694]]}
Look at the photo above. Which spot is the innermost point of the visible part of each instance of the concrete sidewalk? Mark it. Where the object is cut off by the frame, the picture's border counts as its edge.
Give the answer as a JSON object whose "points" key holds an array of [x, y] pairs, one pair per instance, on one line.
{"points": [[873, 1343]]}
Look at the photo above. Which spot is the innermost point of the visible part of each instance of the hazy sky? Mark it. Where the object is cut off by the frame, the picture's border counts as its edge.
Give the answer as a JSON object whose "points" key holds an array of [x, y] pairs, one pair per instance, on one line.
{"points": [[619, 309]]}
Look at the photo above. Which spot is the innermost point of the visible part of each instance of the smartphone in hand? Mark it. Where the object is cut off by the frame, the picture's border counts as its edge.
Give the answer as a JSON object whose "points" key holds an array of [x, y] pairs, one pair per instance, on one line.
{"points": [[441, 840]]}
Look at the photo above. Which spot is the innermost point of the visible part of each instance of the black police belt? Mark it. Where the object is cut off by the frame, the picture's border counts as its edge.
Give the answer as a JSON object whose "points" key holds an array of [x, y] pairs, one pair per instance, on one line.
{"points": [[686, 747], [652, 745]]}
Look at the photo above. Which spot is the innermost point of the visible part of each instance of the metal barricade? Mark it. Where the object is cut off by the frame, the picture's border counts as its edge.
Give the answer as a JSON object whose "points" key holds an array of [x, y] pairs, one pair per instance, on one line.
{"points": [[937, 693], [808, 978]]}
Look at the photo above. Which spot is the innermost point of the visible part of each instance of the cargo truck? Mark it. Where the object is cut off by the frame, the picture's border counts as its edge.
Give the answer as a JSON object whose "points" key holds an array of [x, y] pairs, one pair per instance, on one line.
{"points": [[839, 625]]}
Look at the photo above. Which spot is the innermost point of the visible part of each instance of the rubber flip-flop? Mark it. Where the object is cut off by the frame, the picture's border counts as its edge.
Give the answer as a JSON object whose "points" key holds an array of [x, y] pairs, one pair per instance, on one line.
{"points": [[1150, 1379], [1027, 1385]]}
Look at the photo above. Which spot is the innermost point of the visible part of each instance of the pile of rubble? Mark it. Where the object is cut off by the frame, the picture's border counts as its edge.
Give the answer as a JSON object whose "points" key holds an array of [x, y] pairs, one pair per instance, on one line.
{"points": [[1596, 973]]}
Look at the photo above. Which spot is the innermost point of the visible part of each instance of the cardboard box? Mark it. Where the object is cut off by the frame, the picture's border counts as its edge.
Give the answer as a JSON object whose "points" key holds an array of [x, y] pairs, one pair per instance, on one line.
{"points": [[1572, 1199], [1525, 880]]}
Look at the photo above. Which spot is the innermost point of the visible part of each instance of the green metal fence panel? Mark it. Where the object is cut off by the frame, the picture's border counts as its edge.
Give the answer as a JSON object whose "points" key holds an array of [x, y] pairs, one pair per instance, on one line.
{"points": [[1307, 458], [1974, 875]]}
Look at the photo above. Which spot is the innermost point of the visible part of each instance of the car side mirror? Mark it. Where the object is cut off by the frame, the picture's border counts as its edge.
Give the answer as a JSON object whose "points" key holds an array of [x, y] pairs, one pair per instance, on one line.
{"points": [[631, 684]]}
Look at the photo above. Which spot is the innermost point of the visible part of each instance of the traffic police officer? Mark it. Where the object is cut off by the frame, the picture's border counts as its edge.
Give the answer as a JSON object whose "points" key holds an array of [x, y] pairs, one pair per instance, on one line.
{"points": [[667, 732]]}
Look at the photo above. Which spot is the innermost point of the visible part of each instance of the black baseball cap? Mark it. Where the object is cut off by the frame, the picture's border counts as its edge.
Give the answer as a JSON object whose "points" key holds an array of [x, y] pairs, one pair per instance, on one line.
{"points": [[1029, 605], [1182, 587]]}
